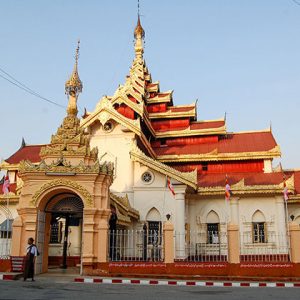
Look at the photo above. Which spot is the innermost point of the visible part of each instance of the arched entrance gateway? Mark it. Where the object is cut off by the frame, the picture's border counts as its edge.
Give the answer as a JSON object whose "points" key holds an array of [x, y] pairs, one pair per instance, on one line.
{"points": [[68, 187], [59, 224]]}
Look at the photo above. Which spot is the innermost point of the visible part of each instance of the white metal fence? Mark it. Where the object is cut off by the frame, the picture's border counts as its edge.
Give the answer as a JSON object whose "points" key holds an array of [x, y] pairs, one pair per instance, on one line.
{"points": [[205, 246], [270, 247], [5, 247], [136, 245]]}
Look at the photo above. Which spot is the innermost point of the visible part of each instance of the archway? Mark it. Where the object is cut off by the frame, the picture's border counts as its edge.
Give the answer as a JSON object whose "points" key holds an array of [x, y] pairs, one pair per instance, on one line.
{"points": [[59, 231]]}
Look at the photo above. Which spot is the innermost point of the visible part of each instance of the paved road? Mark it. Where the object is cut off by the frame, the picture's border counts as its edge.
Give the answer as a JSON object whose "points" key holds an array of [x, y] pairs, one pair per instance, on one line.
{"points": [[51, 288]]}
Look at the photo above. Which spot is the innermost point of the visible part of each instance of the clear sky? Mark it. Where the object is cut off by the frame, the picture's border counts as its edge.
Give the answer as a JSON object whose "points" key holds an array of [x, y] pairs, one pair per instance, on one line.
{"points": [[236, 56]]}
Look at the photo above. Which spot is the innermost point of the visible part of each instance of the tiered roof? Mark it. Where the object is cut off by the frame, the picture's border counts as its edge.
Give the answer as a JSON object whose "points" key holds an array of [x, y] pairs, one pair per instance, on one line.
{"points": [[170, 135]]}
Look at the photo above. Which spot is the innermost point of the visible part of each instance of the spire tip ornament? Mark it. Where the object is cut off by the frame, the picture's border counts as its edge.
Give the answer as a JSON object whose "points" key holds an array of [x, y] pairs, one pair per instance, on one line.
{"points": [[73, 86], [139, 36]]}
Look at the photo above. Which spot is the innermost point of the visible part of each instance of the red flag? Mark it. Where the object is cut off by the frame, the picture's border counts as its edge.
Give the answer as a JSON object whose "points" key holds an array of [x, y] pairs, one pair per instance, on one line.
{"points": [[170, 186], [5, 187]]}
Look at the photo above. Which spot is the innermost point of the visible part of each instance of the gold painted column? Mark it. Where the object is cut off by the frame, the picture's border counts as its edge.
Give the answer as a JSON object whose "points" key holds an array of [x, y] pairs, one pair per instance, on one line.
{"points": [[233, 243], [16, 237], [294, 242], [88, 236], [29, 218], [169, 242], [103, 237]]}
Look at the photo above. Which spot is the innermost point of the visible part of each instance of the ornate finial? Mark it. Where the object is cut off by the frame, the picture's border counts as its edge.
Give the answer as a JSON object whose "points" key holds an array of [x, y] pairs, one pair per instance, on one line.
{"points": [[23, 143], [139, 31], [139, 35], [74, 85]]}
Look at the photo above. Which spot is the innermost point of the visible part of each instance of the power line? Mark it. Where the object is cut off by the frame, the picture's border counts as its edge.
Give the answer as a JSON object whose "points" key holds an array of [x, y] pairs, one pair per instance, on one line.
{"points": [[296, 2], [25, 88]]}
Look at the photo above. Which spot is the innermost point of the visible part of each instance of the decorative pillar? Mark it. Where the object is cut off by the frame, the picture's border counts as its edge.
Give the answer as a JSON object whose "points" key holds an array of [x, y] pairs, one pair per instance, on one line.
{"points": [[88, 236], [234, 210], [281, 223], [294, 242], [180, 220], [103, 237], [29, 218], [16, 237], [169, 242], [233, 243]]}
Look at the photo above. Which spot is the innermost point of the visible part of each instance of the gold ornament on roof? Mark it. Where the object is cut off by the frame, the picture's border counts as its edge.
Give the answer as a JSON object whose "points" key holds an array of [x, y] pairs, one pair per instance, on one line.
{"points": [[73, 86], [139, 31]]}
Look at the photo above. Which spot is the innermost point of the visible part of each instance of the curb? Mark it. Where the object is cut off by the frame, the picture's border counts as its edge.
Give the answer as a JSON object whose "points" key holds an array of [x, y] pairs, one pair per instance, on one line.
{"points": [[7, 277], [186, 283]]}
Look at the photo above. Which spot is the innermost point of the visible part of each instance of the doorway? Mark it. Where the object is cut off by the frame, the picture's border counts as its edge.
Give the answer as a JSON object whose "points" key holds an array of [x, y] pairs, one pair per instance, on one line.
{"points": [[59, 234]]}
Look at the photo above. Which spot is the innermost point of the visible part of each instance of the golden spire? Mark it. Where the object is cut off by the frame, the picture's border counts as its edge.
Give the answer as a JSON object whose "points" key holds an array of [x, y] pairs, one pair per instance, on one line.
{"points": [[139, 31], [73, 86], [139, 35]]}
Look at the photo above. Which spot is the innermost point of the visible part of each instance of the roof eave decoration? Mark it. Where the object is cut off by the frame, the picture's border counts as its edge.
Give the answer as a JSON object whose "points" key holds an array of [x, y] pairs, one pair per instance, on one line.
{"points": [[169, 114], [105, 111], [124, 207], [189, 132], [62, 166], [4, 165], [166, 98], [241, 189], [188, 178], [215, 156]]}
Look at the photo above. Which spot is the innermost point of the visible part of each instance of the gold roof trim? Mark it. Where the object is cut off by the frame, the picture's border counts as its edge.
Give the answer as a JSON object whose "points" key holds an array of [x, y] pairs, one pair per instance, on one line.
{"points": [[105, 111], [170, 114], [154, 87], [166, 98], [7, 166], [189, 132], [251, 131], [125, 206], [188, 178], [62, 166], [215, 156], [240, 188]]}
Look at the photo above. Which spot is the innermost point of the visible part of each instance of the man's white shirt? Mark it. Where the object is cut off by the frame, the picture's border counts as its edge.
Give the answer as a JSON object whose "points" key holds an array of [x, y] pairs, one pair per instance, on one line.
{"points": [[31, 249]]}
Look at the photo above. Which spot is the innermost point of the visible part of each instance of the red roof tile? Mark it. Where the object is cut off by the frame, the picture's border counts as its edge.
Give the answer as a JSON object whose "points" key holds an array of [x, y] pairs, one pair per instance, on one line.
{"points": [[232, 143], [296, 180], [30, 152]]}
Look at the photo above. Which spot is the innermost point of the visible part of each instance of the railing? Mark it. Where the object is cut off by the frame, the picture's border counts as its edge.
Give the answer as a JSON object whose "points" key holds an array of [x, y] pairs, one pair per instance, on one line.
{"points": [[201, 246], [272, 247], [5, 247], [135, 245]]}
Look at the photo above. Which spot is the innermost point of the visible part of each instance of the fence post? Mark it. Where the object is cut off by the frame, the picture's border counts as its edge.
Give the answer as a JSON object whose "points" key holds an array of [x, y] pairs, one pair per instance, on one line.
{"points": [[169, 242], [233, 243], [294, 242]]}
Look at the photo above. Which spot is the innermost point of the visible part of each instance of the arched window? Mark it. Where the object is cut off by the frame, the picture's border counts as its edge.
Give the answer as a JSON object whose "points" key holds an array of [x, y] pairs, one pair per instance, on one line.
{"points": [[259, 228], [213, 227], [154, 226]]}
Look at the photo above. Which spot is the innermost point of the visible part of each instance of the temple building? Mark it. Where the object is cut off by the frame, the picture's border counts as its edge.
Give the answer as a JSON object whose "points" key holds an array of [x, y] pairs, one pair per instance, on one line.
{"points": [[167, 164]]}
